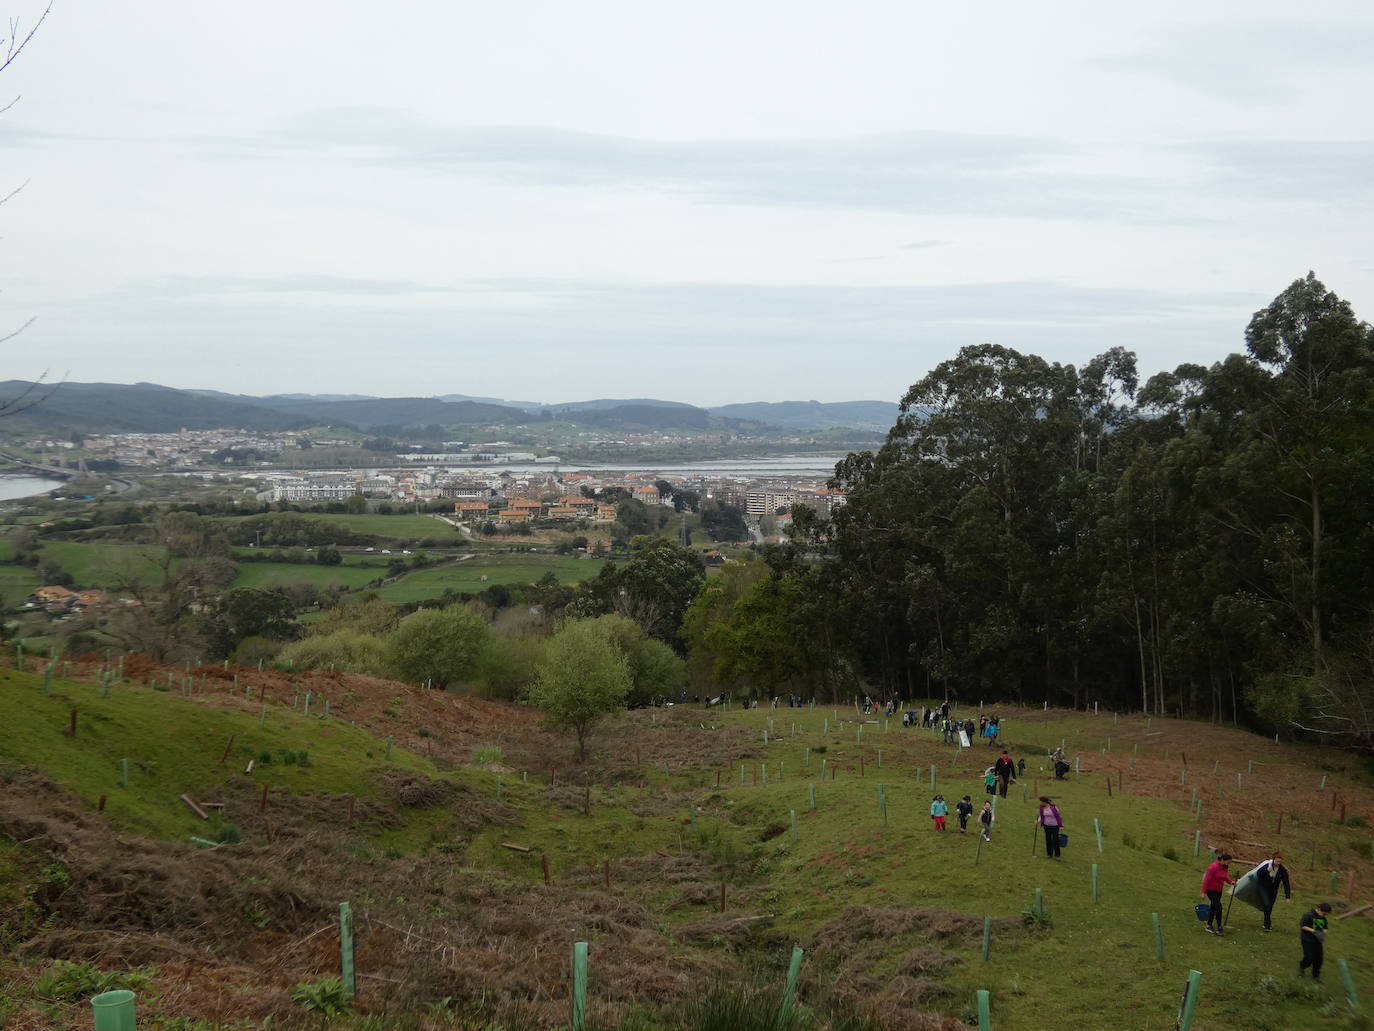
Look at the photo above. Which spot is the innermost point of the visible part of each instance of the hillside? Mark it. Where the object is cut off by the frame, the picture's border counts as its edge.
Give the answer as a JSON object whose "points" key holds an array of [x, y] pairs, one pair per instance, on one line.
{"points": [[144, 407], [814, 415], [674, 805]]}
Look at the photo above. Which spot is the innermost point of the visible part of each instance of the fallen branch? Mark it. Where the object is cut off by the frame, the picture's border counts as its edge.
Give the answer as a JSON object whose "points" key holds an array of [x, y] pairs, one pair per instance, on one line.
{"points": [[1356, 912]]}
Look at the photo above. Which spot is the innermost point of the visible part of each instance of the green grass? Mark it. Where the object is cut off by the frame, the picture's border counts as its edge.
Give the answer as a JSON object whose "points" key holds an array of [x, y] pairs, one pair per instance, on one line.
{"points": [[1093, 966], [174, 745], [105, 565], [400, 527], [466, 577], [16, 584], [279, 574], [1096, 960]]}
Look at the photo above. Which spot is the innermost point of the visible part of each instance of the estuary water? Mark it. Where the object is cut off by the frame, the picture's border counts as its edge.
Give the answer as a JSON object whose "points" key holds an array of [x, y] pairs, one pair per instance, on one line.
{"points": [[15, 487]]}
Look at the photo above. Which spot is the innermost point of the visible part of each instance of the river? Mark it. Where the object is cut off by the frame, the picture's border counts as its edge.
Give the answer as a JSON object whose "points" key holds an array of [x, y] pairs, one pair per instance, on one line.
{"points": [[15, 487]]}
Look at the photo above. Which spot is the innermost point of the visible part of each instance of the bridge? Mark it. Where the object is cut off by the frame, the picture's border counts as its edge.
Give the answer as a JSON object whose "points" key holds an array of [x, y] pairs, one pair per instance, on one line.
{"points": [[47, 470]]}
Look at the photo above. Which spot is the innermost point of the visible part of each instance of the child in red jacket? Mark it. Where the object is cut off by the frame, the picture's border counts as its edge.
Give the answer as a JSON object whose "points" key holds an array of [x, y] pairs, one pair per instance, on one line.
{"points": [[1213, 882]]}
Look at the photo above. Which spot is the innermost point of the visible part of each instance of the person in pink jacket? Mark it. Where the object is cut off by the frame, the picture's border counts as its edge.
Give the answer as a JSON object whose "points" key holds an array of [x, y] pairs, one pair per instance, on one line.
{"points": [[1213, 882]]}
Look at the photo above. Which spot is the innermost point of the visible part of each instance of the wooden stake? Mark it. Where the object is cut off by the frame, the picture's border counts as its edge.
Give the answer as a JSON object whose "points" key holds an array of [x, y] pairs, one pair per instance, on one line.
{"points": [[100, 808], [516, 848], [351, 800], [544, 859], [722, 896], [191, 805], [228, 745], [262, 805], [606, 871]]}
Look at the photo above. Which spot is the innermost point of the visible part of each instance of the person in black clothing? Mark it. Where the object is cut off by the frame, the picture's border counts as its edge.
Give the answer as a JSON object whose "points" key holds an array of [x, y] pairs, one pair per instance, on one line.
{"points": [[1004, 768], [1272, 876], [963, 809], [1313, 931]]}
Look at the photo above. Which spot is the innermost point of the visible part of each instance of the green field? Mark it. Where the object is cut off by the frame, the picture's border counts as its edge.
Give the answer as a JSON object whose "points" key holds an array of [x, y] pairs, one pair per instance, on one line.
{"points": [[16, 584], [279, 574], [105, 565], [466, 577], [399, 527]]}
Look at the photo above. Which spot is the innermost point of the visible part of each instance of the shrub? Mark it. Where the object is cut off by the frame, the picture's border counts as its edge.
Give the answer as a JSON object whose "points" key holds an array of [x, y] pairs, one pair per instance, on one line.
{"points": [[65, 981], [485, 755], [345, 650], [327, 997]]}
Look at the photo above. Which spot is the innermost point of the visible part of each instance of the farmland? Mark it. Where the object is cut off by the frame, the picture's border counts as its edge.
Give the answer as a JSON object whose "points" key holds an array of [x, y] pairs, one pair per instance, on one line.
{"points": [[484, 571]]}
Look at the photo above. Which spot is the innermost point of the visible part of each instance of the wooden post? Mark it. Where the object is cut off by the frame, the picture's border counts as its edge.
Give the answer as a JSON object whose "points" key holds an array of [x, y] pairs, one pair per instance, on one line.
{"points": [[262, 804], [606, 872], [351, 801], [71, 729], [544, 861], [100, 808], [227, 746], [722, 896]]}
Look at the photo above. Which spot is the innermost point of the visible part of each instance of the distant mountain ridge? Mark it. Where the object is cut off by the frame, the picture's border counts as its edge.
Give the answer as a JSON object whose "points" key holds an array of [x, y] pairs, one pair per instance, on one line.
{"points": [[814, 415], [151, 408]]}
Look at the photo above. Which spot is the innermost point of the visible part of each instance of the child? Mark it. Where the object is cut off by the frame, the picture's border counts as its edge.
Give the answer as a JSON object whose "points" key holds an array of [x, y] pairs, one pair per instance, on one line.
{"points": [[986, 818], [990, 780], [964, 809], [939, 809]]}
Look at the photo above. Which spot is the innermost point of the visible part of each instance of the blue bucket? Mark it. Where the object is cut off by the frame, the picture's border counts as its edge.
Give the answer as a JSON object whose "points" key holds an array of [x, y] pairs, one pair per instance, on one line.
{"points": [[1063, 839], [1203, 910]]}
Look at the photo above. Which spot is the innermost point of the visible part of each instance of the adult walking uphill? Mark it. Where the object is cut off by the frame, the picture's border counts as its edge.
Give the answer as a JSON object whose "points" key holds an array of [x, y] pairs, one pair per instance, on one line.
{"points": [[1053, 823], [1260, 887], [1214, 881], [1004, 768]]}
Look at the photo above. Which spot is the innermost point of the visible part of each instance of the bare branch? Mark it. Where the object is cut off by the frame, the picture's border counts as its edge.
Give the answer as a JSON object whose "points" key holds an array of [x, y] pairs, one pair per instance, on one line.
{"points": [[14, 45]]}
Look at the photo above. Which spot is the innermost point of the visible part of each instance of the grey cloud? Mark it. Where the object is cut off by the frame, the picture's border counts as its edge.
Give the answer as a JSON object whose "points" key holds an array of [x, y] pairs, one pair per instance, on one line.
{"points": [[172, 287], [1318, 171], [1254, 64], [861, 339], [909, 172]]}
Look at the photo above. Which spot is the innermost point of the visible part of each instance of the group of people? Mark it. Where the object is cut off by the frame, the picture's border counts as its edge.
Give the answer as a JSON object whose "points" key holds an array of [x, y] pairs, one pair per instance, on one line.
{"points": [[989, 727], [1271, 876]]}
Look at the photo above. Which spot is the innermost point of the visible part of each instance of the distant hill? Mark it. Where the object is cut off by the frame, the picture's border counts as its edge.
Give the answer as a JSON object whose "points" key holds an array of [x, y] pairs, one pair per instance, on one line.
{"points": [[395, 412], [150, 408], [608, 404], [143, 408], [814, 415]]}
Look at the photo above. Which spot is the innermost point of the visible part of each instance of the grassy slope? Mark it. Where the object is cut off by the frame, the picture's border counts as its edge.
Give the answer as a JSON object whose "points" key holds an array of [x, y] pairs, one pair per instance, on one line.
{"points": [[1097, 962], [180, 742], [1095, 968]]}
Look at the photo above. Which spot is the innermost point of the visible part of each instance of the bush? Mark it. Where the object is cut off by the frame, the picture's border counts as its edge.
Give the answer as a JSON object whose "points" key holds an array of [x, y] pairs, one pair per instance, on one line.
{"points": [[65, 981], [346, 650], [438, 646], [327, 997], [485, 755]]}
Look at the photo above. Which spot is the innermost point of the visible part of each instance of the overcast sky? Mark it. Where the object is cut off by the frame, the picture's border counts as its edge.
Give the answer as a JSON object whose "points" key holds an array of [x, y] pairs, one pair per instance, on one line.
{"points": [[710, 202]]}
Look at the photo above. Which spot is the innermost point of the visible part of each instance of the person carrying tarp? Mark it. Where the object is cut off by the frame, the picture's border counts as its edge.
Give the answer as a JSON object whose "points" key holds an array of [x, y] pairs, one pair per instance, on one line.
{"points": [[1272, 876]]}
